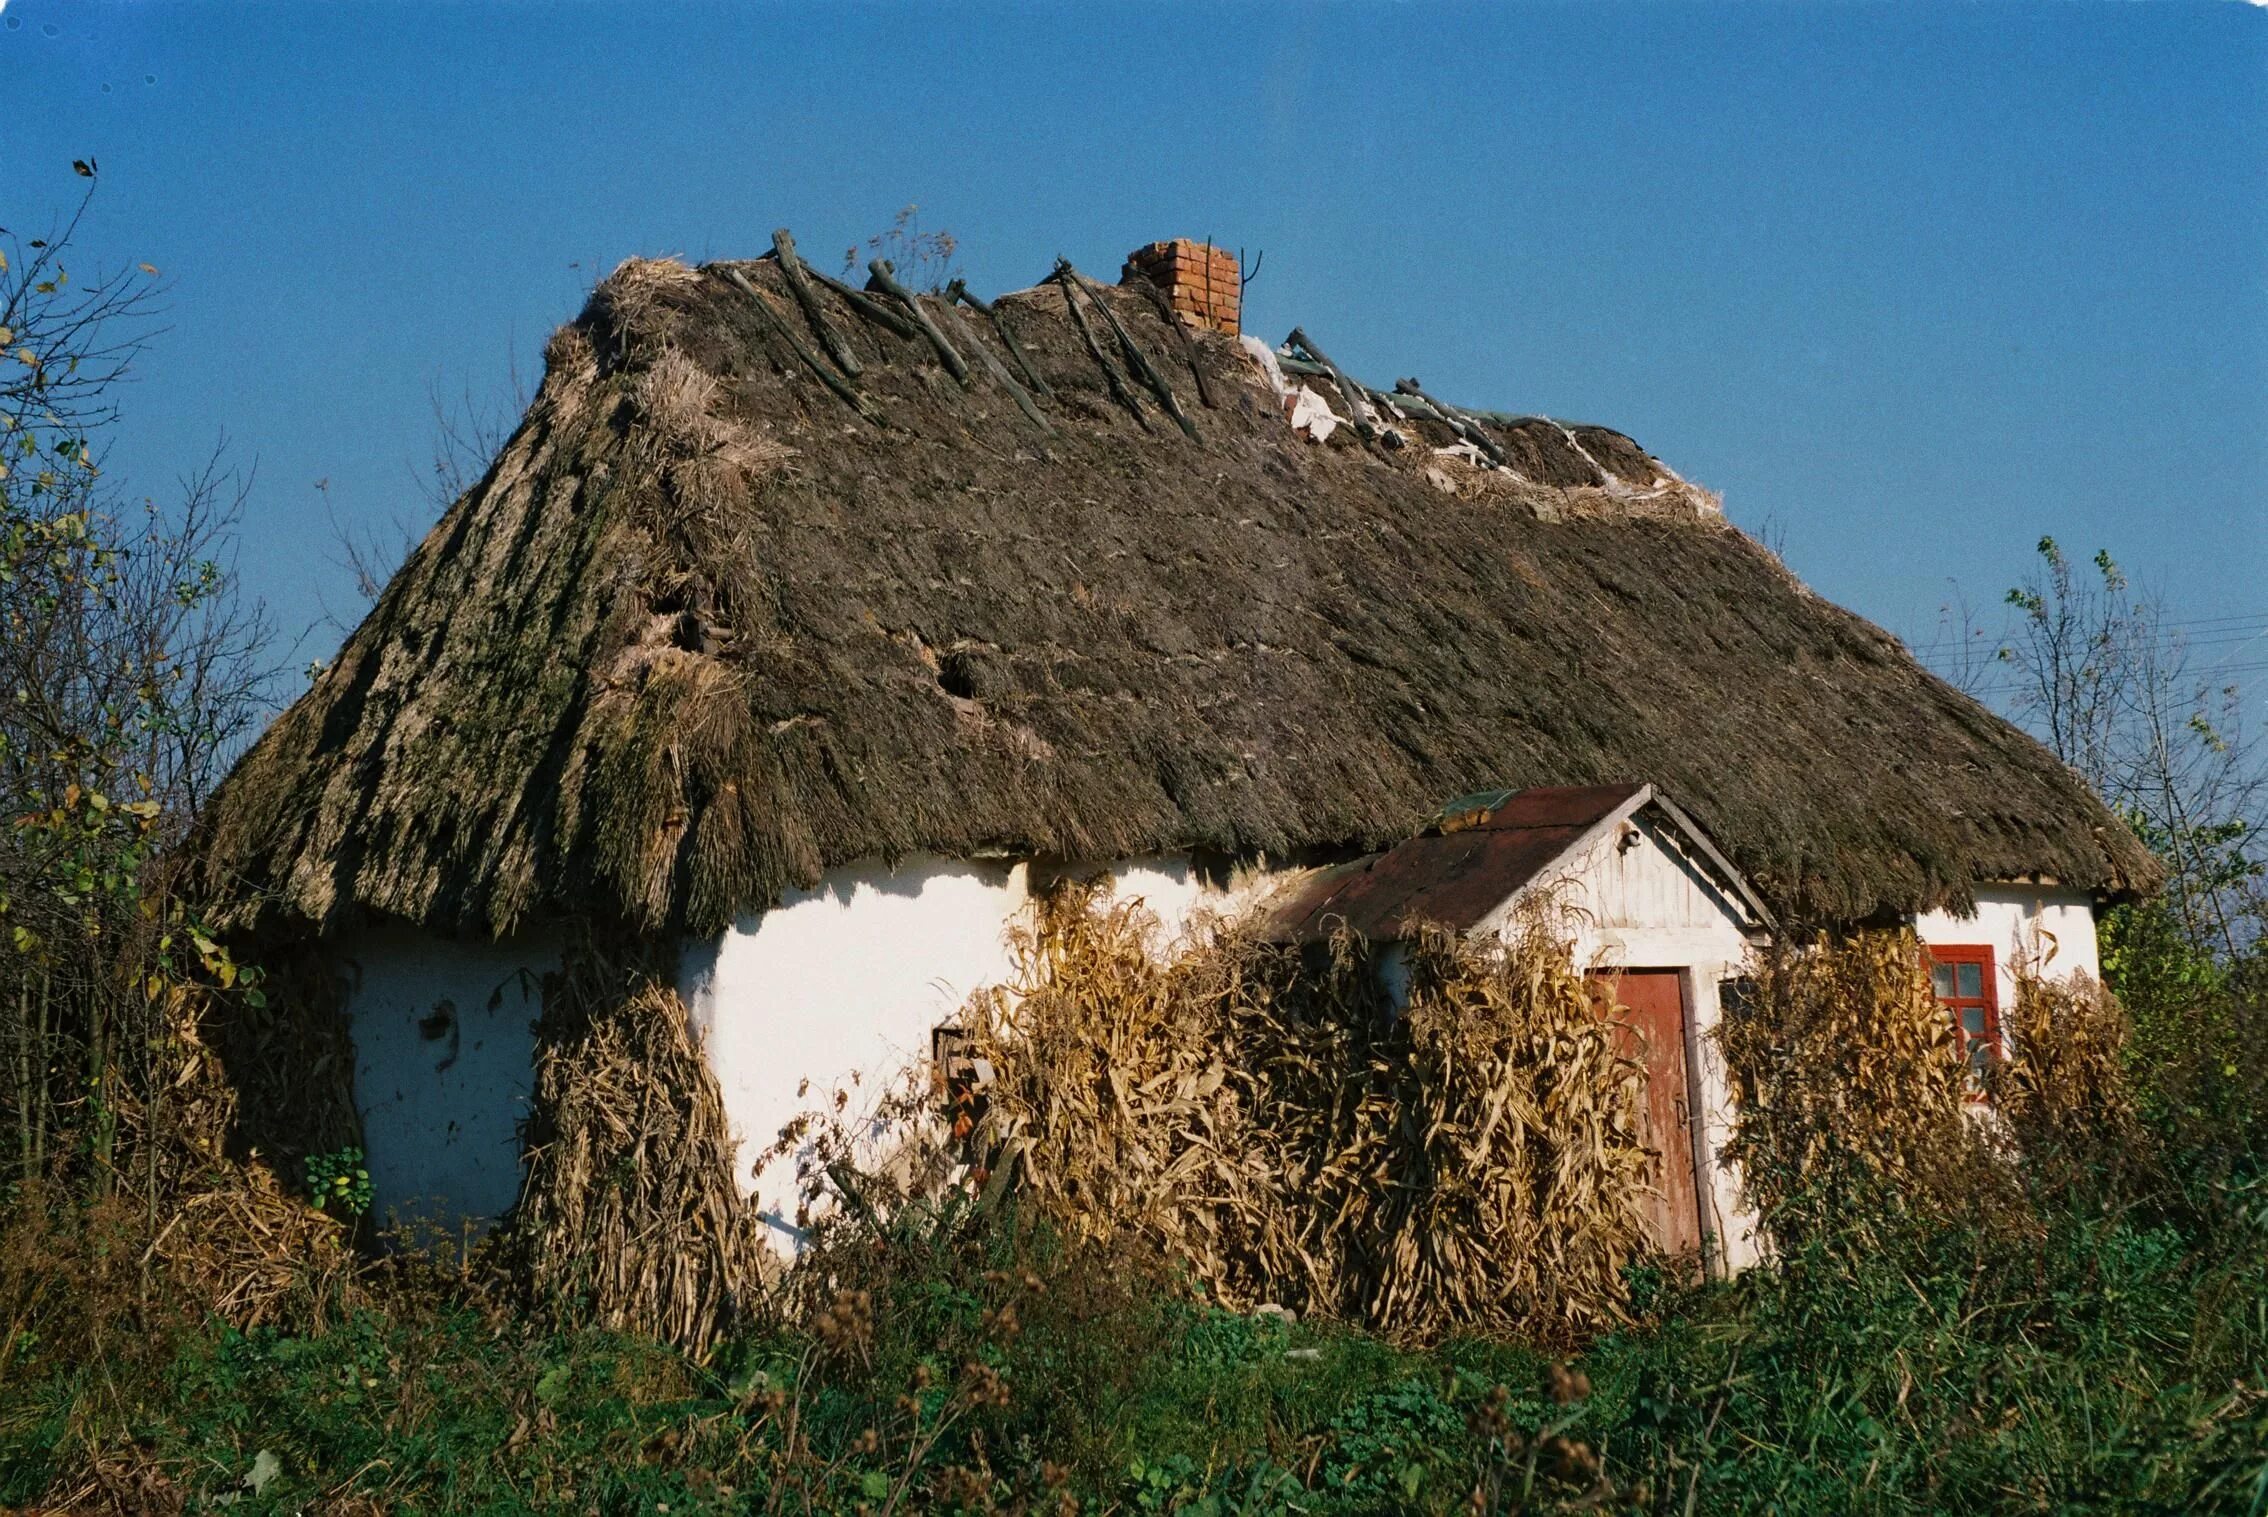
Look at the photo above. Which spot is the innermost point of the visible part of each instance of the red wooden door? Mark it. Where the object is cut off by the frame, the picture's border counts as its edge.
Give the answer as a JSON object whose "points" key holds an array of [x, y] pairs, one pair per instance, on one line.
{"points": [[1652, 1018]]}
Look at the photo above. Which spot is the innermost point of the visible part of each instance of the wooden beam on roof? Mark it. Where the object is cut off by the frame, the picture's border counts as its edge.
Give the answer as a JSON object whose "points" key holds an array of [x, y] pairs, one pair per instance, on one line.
{"points": [[1136, 359], [1351, 392], [1463, 426], [799, 285], [1067, 277], [867, 306], [770, 321], [960, 291], [1180, 329], [886, 279], [1410, 405], [997, 369]]}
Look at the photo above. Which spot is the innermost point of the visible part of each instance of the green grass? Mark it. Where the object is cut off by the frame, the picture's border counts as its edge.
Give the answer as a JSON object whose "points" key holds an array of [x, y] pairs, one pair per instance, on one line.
{"points": [[2097, 1363]]}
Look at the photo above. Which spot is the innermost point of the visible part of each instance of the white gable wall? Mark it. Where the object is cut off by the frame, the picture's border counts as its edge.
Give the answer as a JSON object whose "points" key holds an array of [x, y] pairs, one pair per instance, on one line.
{"points": [[1633, 900]]}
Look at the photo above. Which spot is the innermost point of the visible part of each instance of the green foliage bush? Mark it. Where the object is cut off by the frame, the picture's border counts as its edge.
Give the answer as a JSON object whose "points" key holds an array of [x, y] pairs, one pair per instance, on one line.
{"points": [[339, 1182]]}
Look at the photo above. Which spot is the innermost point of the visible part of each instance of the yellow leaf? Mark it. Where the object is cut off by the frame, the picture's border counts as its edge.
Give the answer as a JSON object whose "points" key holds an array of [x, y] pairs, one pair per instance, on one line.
{"points": [[148, 268]]}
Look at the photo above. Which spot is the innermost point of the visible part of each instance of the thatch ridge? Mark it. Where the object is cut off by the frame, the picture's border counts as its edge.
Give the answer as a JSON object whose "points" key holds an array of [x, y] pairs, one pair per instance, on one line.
{"points": [[703, 632]]}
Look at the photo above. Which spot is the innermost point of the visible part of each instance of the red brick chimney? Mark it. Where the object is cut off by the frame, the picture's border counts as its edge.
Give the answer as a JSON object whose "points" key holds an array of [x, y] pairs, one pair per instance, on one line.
{"points": [[1201, 281]]}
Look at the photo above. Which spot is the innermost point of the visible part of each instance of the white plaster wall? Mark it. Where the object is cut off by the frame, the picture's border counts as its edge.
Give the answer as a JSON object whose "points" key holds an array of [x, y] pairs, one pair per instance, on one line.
{"points": [[840, 987], [2049, 930], [444, 1051], [1185, 899]]}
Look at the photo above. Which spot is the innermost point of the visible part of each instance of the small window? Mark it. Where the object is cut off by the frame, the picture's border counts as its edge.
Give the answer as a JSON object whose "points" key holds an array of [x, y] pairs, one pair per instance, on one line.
{"points": [[1736, 997], [1962, 979], [961, 1078]]}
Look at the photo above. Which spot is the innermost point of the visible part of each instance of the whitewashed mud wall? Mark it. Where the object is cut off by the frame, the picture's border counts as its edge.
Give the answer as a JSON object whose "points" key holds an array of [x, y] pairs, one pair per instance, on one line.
{"points": [[444, 1052], [2049, 930], [839, 988]]}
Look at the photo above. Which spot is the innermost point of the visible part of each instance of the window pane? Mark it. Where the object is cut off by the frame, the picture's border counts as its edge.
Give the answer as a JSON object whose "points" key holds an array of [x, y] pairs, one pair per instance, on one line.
{"points": [[1972, 979], [1941, 976], [1972, 1019]]}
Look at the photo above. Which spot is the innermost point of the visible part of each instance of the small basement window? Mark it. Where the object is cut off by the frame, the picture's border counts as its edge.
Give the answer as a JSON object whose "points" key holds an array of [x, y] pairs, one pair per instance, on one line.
{"points": [[961, 1078], [1961, 977]]}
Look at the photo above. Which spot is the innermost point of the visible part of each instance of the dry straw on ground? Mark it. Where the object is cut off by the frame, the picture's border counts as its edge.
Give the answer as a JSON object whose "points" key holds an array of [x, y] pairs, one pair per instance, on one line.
{"points": [[238, 1235], [1274, 1127], [628, 1216]]}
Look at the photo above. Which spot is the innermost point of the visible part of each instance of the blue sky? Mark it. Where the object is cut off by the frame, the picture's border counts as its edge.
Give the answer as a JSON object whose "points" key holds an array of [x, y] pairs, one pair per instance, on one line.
{"points": [[1910, 285]]}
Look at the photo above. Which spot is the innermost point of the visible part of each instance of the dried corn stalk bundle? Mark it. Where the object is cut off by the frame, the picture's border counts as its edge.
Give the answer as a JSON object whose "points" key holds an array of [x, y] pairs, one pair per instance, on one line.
{"points": [[628, 1217], [255, 1253], [1108, 1101], [2065, 1086], [1849, 1080], [239, 1240], [1269, 1122], [1514, 1168]]}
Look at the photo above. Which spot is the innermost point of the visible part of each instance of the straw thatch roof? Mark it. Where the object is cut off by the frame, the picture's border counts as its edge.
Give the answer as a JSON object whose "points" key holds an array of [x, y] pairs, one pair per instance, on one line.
{"points": [[705, 630]]}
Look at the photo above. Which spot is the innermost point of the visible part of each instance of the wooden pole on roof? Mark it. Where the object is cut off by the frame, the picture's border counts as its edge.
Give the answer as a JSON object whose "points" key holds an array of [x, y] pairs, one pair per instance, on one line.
{"points": [[769, 320], [1064, 276], [791, 267], [885, 279], [1464, 426], [867, 306], [957, 290], [1136, 359], [1164, 308], [997, 369], [1348, 390], [1412, 407]]}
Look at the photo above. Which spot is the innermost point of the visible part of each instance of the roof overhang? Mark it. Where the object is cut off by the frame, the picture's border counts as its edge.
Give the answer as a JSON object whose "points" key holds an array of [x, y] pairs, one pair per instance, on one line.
{"points": [[1482, 853]]}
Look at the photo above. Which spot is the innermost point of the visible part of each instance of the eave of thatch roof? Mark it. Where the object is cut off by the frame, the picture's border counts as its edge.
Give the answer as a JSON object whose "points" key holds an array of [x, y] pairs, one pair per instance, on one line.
{"points": [[704, 632]]}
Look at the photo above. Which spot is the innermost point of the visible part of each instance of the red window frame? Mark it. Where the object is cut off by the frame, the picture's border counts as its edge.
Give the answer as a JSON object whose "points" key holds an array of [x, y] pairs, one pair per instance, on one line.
{"points": [[1961, 995]]}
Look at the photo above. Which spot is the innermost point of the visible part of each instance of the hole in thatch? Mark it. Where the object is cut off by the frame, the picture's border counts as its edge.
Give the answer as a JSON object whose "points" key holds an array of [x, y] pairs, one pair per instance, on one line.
{"points": [[688, 632], [957, 676]]}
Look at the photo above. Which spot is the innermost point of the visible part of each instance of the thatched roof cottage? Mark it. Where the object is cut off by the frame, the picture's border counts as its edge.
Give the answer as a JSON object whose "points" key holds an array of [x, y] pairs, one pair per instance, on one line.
{"points": [[806, 631]]}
